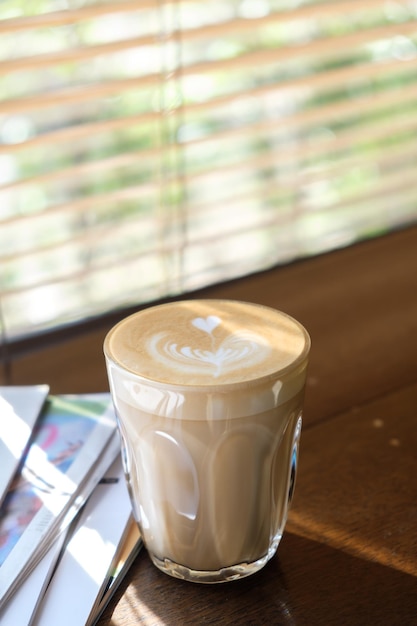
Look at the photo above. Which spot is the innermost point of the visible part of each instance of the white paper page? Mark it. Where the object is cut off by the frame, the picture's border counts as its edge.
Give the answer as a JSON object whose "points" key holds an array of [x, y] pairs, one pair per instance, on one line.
{"points": [[19, 409], [19, 610], [128, 551], [60, 489], [89, 554]]}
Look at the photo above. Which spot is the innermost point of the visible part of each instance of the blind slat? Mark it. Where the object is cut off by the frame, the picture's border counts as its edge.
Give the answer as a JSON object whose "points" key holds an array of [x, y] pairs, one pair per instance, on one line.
{"points": [[76, 95], [229, 28], [72, 16], [81, 132]]}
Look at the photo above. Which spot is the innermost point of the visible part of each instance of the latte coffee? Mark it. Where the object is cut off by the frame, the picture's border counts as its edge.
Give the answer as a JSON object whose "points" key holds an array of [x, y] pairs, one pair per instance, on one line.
{"points": [[208, 395]]}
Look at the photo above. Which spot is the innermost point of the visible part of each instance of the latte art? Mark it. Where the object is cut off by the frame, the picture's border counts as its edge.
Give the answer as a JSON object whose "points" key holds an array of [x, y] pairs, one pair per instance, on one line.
{"points": [[216, 356], [207, 342]]}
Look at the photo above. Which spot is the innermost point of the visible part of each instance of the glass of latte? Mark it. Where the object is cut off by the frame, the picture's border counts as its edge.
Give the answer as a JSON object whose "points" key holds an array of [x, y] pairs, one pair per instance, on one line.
{"points": [[208, 395]]}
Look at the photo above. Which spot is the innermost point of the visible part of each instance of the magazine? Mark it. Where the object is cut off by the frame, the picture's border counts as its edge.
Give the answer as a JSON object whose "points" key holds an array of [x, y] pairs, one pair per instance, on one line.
{"points": [[89, 558], [20, 408], [22, 606], [59, 472]]}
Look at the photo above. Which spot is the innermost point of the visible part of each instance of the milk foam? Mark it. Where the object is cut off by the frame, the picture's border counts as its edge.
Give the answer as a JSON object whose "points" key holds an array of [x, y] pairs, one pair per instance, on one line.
{"points": [[207, 342]]}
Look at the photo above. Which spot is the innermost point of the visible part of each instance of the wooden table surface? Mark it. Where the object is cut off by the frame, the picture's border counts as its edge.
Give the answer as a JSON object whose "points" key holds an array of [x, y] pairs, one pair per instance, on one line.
{"points": [[349, 553]]}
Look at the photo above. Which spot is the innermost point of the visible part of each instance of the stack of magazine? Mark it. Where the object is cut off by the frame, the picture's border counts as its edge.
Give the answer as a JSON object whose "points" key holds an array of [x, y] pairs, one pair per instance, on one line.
{"points": [[65, 514]]}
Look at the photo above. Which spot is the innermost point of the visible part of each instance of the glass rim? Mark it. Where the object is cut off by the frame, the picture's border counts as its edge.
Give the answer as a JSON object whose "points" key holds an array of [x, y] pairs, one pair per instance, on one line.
{"points": [[296, 366]]}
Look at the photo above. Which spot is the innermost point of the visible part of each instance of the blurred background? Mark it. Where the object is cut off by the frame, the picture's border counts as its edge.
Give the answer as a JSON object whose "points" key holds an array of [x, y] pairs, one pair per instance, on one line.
{"points": [[152, 147]]}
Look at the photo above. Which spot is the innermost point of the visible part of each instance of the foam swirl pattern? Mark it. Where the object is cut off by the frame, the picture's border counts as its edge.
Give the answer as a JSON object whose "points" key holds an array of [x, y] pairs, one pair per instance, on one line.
{"points": [[207, 342]]}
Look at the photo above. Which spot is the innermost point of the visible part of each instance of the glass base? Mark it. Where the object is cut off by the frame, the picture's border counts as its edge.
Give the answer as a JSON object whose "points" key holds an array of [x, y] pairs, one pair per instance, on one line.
{"points": [[226, 574]]}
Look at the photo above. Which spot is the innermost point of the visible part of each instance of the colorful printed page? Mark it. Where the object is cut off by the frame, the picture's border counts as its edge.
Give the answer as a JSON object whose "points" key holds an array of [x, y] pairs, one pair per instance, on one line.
{"points": [[20, 408], [89, 554], [69, 440]]}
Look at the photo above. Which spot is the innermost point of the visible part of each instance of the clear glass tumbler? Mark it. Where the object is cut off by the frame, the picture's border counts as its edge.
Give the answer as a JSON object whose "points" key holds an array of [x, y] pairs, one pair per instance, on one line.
{"points": [[208, 396]]}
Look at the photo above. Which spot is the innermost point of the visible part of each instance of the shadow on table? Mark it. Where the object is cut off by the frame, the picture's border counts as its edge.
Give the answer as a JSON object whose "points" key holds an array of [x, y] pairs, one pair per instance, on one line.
{"points": [[306, 583]]}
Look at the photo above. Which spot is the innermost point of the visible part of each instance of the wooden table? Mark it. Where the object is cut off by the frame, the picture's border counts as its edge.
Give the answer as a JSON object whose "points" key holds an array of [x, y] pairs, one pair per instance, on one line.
{"points": [[349, 553]]}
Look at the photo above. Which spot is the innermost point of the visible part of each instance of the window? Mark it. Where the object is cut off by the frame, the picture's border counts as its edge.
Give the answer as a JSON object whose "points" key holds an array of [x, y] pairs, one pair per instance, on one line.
{"points": [[152, 147]]}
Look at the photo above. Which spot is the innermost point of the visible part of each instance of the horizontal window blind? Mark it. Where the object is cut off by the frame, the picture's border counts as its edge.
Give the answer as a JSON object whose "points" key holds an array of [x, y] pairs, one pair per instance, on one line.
{"points": [[152, 147]]}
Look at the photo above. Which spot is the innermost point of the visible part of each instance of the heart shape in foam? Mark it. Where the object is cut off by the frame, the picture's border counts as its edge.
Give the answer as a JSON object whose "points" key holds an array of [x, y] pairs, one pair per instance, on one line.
{"points": [[207, 324]]}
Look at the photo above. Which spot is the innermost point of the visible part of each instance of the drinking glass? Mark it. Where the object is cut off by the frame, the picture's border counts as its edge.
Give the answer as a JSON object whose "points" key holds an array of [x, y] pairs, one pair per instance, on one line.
{"points": [[208, 395]]}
